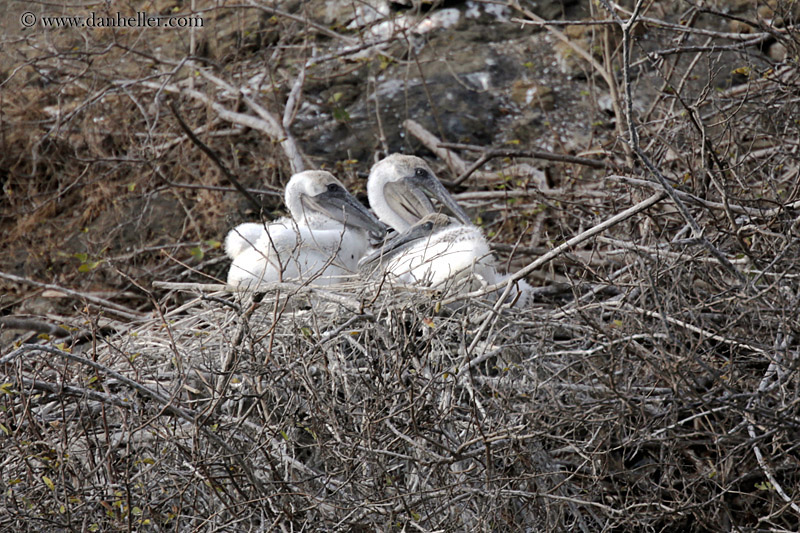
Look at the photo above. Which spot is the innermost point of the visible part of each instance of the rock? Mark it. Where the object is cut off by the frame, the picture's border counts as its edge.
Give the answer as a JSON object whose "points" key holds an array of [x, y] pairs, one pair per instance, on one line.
{"points": [[529, 93], [569, 60], [589, 38], [777, 51], [347, 14], [554, 9]]}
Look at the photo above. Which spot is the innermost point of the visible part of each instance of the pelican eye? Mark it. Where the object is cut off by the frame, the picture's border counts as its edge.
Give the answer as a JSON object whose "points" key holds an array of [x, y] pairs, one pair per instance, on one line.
{"points": [[332, 187], [421, 173]]}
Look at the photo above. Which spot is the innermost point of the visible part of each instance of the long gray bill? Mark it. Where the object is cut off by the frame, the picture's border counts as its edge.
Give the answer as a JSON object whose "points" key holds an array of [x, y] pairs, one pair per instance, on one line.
{"points": [[408, 200], [402, 241], [340, 205], [435, 189]]}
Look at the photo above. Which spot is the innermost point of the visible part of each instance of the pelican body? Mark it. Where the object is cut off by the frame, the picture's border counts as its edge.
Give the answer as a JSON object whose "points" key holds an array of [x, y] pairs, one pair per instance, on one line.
{"points": [[321, 243], [432, 252], [431, 248]]}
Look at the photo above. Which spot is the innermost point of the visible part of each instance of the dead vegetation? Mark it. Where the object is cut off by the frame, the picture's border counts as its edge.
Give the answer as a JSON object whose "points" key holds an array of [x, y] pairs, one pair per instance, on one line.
{"points": [[651, 386]]}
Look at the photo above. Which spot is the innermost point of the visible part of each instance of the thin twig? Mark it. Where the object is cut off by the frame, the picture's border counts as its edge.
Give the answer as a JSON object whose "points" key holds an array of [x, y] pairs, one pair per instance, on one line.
{"points": [[111, 307], [633, 142], [558, 250], [215, 158], [492, 153], [167, 403], [457, 165]]}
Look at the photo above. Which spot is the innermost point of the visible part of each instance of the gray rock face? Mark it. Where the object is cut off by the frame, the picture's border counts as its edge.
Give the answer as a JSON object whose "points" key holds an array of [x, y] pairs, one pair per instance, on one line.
{"points": [[467, 72], [457, 71]]}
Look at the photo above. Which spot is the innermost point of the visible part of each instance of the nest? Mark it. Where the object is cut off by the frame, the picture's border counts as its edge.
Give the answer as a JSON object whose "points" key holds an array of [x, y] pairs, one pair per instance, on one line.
{"points": [[362, 407]]}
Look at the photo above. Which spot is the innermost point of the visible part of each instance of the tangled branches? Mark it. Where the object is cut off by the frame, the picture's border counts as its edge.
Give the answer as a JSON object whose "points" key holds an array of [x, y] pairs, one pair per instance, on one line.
{"points": [[298, 412], [641, 169]]}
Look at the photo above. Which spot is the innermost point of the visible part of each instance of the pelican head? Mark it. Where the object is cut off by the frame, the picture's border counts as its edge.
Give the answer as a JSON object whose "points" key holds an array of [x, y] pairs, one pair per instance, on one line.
{"points": [[400, 188], [315, 198]]}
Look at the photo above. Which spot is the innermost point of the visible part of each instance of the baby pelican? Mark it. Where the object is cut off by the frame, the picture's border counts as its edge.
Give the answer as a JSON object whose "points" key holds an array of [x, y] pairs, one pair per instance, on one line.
{"points": [[322, 242], [431, 248]]}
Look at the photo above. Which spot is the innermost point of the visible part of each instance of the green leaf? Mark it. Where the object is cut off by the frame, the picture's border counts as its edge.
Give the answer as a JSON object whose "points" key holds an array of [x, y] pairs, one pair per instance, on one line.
{"points": [[340, 115], [89, 266], [197, 252], [49, 483]]}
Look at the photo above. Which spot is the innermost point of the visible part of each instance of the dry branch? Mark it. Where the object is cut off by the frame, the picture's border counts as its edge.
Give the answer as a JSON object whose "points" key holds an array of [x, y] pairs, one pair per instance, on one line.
{"points": [[107, 305], [558, 250], [641, 390]]}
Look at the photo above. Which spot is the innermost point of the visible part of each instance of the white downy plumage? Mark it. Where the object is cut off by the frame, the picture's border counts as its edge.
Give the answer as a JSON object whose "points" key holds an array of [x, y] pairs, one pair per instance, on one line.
{"points": [[321, 243], [431, 249]]}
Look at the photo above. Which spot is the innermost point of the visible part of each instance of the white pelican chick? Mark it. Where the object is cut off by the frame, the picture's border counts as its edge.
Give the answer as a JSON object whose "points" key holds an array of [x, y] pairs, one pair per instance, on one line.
{"points": [[322, 242], [242, 237], [431, 249]]}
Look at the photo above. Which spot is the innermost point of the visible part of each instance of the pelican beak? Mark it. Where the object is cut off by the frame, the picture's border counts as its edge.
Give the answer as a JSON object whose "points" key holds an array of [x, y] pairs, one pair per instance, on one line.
{"points": [[398, 243], [421, 230], [434, 188], [407, 200], [341, 206]]}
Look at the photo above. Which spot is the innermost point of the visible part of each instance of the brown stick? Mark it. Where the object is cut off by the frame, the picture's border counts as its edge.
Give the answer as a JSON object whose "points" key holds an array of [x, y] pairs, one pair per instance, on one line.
{"points": [[105, 304]]}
